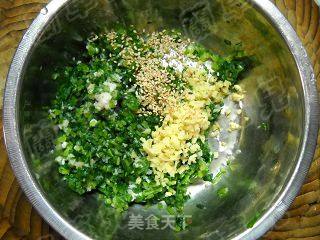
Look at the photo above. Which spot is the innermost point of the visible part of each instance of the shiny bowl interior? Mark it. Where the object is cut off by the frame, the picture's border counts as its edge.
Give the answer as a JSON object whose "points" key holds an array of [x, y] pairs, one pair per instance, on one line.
{"points": [[270, 153]]}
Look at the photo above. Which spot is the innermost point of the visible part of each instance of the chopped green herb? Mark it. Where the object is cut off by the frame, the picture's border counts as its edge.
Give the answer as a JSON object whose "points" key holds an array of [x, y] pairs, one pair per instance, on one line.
{"points": [[223, 192], [264, 126], [113, 102]]}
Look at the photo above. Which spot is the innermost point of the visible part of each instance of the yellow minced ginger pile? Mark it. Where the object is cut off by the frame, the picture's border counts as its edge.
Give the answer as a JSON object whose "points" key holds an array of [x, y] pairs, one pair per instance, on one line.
{"points": [[183, 125]]}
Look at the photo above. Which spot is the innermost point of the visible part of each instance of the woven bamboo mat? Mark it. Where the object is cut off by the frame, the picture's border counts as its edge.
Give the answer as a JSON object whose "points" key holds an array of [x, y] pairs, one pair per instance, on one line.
{"points": [[18, 220]]}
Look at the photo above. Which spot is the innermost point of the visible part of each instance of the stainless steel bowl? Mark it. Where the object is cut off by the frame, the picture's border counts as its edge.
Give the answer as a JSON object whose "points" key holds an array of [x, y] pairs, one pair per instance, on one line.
{"points": [[276, 144]]}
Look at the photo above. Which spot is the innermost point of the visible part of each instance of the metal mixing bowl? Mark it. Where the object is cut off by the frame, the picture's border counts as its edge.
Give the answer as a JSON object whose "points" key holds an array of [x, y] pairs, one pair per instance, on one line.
{"points": [[271, 154]]}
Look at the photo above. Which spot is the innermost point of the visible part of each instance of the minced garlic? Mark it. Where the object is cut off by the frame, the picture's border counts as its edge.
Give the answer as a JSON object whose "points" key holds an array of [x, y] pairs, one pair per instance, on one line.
{"points": [[173, 142], [234, 126]]}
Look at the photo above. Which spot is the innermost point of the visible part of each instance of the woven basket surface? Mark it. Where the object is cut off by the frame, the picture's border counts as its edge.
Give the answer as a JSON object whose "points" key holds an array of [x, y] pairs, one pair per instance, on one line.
{"points": [[18, 220]]}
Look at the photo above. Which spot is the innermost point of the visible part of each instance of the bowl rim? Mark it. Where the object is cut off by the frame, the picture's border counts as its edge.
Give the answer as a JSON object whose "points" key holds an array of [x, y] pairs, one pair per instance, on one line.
{"points": [[61, 225]]}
